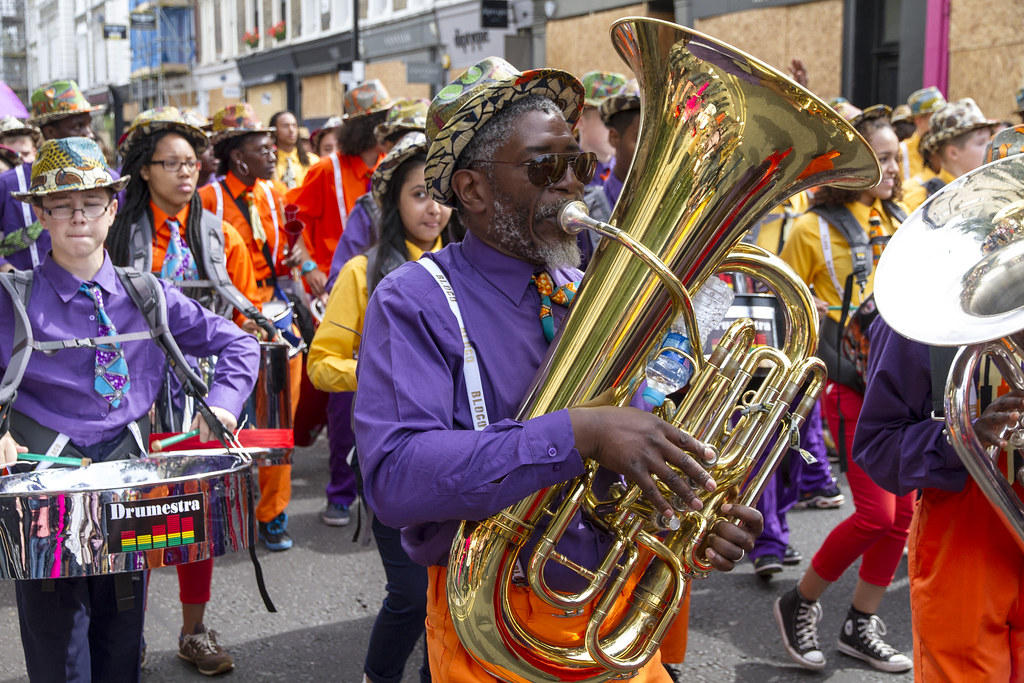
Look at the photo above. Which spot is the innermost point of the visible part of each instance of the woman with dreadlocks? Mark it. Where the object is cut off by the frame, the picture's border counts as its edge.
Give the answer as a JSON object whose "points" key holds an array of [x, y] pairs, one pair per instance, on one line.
{"points": [[162, 228]]}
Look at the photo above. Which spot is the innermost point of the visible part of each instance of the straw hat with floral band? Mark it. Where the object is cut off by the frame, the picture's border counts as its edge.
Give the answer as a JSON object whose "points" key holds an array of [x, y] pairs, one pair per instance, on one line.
{"points": [[1006, 143], [69, 165], [925, 101], [58, 100], [625, 98], [10, 126], [412, 144], [162, 118], [237, 119], [600, 85], [405, 115], [956, 118], [467, 103], [365, 99]]}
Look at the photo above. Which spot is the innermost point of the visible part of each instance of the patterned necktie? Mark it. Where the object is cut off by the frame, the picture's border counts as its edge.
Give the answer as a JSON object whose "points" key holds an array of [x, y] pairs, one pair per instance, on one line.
{"points": [[289, 173], [255, 223], [549, 295], [111, 377], [179, 264], [19, 239]]}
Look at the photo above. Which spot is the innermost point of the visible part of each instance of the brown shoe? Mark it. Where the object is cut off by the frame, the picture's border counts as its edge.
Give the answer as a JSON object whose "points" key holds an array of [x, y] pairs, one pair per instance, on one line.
{"points": [[202, 650]]}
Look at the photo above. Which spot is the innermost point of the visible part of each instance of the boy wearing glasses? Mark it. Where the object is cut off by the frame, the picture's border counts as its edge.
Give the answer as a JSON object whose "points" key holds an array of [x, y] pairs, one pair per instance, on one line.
{"points": [[96, 400], [428, 410]]}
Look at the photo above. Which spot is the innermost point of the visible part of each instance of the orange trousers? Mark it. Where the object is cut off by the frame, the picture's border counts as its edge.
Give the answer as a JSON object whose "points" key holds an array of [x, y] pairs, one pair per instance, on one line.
{"points": [[450, 662], [276, 480], [966, 575]]}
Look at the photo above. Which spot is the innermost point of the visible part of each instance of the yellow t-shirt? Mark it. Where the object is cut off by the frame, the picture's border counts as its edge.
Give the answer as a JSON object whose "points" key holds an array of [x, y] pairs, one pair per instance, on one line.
{"points": [[803, 251], [915, 193], [768, 236], [331, 364], [913, 163]]}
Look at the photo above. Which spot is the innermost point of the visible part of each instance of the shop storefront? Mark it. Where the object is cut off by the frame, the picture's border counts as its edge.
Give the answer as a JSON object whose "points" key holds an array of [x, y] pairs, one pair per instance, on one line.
{"points": [[403, 54], [465, 41]]}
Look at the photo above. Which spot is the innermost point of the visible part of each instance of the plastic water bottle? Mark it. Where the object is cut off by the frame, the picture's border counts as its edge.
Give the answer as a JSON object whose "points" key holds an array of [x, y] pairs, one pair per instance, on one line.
{"points": [[668, 371]]}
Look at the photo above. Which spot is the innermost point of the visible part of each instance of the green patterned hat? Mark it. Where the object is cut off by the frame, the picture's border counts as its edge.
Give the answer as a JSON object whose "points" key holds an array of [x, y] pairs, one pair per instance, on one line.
{"points": [[68, 165], [412, 144], [956, 118], [625, 98], [163, 118], [405, 115], [58, 100], [365, 99], [467, 103], [600, 85], [1005, 143], [926, 101]]}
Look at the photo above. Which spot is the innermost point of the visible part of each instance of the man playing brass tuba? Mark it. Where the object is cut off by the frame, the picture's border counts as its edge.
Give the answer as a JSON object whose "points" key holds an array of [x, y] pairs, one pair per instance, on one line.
{"points": [[452, 342]]}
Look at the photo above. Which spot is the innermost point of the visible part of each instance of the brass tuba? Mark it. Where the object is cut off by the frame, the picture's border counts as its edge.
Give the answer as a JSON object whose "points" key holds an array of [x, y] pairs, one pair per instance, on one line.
{"points": [[723, 139], [953, 275]]}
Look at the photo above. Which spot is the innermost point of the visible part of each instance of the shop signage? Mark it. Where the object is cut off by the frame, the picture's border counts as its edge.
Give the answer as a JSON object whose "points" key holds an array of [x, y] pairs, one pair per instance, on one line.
{"points": [[494, 13], [143, 21], [424, 72], [404, 36], [115, 31]]}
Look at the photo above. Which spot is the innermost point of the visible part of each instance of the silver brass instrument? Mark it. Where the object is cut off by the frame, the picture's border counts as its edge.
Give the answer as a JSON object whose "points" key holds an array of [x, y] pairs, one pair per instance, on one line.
{"points": [[953, 275], [124, 515], [723, 139]]}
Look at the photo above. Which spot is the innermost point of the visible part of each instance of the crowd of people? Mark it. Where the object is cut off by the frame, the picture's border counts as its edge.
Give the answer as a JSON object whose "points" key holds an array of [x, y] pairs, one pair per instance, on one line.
{"points": [[429, 229]]}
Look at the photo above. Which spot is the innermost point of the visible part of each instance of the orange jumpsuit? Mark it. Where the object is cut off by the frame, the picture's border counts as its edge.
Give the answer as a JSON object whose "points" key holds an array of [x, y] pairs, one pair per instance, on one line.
{"points": [[275, 481]]}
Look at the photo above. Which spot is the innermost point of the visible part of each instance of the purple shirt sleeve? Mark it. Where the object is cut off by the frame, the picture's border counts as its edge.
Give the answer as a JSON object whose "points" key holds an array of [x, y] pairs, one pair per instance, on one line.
{"points": [[421, 459], [357, 238], [897, 442]]}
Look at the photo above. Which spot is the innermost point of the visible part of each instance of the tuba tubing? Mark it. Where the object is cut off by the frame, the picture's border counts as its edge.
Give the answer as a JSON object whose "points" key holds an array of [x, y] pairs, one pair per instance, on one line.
{"points": [[723, 139]]}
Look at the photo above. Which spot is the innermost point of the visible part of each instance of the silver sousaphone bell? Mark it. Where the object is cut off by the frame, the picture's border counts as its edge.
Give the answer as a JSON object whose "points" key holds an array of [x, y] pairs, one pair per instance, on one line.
{"points": [[953, 275]]}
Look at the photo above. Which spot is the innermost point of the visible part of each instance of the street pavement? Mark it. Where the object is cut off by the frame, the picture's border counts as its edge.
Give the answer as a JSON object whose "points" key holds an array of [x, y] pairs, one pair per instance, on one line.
{"points": [[328, 589]]}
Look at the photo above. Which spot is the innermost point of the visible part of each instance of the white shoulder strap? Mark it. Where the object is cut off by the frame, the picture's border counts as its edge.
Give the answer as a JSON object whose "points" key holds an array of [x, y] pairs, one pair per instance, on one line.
{"points": [[339, 191], [471, 361], [905, 152], [825, 233], [26, 212], [273, 214], [220, 201]]}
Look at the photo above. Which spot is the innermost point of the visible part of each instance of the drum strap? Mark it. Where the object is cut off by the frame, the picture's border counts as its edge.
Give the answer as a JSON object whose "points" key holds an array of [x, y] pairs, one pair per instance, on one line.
{"points": [[471, 362], [26, 212], [339, 190]]}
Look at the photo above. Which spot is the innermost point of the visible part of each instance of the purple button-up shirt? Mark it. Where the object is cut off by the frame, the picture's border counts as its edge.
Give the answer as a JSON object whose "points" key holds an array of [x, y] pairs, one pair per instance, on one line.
{"points": [[897, 442], [424, 467], [602, 172], [612, 189], [359, 236], [57, 391]]}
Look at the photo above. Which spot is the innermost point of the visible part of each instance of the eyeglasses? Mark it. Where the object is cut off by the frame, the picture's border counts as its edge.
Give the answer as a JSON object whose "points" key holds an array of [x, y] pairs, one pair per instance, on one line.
{"points": [[65, 213], [174, 165], [548, 169]]}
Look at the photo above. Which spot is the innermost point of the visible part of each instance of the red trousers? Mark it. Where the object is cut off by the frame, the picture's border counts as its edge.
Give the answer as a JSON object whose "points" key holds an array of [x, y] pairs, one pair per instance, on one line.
{"points": [[878, 527], [966, 576]]}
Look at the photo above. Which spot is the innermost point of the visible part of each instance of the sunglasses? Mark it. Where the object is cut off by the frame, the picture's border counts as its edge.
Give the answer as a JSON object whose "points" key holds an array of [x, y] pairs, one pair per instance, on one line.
{"points": [[548, 169]]}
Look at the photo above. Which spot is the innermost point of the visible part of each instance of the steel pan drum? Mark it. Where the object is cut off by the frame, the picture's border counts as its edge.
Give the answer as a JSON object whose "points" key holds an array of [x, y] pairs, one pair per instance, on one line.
{"points": [[124, 515]]}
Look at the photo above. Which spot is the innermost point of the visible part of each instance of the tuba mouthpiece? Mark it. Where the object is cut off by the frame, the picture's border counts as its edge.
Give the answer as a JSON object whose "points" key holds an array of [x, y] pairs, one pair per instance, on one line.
{"points": [[573, 217]]}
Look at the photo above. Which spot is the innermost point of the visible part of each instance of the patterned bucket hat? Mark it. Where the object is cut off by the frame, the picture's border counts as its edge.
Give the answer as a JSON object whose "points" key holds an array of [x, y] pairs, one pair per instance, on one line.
{"points": [[466, 104], [901, 113], [163, 118], [67, 165], [237, 119], [926, 101], [625, 98], [58, 100], [412, 144], [844, 108], [956, 118], [875, 111], [330, 124], [404, 115], [12, 126], [600, 85], [1019, 100], [303, 133], [1005, 143], [365, 99], [194, 118]]}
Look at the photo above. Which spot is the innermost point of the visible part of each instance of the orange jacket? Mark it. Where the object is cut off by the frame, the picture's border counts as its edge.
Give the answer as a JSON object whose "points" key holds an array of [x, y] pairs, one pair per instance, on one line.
{"points": [[318, 201]]}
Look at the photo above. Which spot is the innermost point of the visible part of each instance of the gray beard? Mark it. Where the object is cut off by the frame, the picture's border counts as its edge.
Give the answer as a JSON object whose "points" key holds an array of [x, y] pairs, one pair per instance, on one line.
{"points": [[509, 222]]}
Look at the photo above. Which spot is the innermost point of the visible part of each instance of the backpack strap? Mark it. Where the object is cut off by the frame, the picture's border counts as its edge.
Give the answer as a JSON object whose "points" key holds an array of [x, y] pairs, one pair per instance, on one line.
{"points": [[934, 185], [218, 194], [140, 241], [373, 211], [18, 285], [861, 256]]}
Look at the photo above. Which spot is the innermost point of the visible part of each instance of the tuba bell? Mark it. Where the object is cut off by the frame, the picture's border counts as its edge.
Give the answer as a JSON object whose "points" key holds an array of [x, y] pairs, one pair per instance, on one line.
{"points": [[723, 139], [962, 252]]}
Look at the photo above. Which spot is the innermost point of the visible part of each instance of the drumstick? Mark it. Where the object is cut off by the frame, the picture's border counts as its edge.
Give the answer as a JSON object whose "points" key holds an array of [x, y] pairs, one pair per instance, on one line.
{"points": [[158, 446], [55, 459]]}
